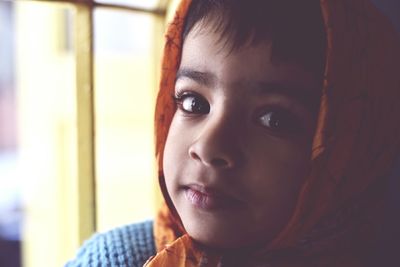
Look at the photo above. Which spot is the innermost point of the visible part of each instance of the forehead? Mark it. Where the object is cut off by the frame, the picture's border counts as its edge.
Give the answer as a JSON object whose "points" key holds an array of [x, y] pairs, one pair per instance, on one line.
{"points": [[205, 51]]}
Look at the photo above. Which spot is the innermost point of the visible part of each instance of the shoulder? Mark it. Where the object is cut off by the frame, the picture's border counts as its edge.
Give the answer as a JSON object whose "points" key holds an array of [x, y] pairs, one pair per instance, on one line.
{"points": [[129, 246]]}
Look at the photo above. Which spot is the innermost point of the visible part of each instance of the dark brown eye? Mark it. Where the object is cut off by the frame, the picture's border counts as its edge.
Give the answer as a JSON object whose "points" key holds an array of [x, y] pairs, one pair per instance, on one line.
{"points": [[193, 103], [281, 121]]}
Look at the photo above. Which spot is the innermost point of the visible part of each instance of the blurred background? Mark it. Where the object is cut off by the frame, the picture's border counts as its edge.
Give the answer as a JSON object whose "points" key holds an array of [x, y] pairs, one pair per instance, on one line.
{"points": [[77, 86]]}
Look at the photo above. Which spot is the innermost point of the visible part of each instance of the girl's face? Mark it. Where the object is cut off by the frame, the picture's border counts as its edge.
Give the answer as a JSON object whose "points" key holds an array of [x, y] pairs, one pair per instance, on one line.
{"points": [[239, 145]]}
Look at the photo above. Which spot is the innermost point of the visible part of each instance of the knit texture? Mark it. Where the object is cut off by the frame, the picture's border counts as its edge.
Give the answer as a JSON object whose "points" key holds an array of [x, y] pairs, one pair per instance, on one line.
{"points": [[127, 246]]}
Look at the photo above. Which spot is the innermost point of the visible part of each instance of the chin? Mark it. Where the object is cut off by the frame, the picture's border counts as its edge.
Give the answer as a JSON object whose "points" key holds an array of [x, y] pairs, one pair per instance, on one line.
{"points": [[214, 237]]}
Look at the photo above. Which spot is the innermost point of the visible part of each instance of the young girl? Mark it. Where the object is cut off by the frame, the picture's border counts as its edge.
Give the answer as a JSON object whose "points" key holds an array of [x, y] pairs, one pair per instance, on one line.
{"points": [[277, 132]]}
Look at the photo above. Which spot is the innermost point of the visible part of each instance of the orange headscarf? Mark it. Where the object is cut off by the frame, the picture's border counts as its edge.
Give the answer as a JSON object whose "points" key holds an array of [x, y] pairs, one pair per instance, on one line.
{"points": [[356, 142]]}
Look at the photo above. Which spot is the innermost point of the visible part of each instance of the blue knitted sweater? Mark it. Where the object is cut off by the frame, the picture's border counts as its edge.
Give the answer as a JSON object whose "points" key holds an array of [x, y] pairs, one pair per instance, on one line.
{"points": [[127, 246]]}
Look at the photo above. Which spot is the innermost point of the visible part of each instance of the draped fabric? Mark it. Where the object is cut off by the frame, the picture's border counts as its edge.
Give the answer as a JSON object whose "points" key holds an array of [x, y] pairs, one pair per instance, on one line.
{"points": [[356, 141]]}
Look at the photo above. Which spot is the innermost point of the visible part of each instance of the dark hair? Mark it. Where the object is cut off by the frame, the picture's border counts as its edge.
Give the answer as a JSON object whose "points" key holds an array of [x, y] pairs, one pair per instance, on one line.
{"points": [[295, 28]]}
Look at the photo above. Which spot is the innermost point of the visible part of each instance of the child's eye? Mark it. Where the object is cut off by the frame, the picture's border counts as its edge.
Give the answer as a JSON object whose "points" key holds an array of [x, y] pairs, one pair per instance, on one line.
{"points": [[281, 121], [193, 103]]}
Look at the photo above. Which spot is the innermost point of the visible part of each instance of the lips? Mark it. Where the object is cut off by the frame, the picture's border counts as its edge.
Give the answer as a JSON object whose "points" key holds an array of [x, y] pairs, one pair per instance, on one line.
{"points": [[206, 198]]}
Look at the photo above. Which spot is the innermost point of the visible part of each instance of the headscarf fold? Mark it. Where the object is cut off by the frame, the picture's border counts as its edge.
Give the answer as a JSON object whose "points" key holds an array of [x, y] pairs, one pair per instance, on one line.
{"points": [[355, 144]]}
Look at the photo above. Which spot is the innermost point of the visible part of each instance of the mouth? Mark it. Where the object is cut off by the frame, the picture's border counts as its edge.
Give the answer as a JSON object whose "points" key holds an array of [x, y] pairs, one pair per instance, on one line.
{"points": [[206, 198]]}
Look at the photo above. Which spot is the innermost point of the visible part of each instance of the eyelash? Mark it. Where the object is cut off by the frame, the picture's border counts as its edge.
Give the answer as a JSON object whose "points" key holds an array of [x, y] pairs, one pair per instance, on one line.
{"points": [[296, 124]]}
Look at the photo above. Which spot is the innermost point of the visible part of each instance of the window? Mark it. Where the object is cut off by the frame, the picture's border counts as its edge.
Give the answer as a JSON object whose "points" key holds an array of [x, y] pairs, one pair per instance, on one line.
{"points": [[77, 87]]}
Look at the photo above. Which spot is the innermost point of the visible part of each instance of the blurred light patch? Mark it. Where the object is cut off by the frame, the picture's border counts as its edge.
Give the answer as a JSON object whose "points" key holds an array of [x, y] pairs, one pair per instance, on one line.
{"points": [[121, 33], [10, 179], [146, 4], [125, 71], [45, 103]]}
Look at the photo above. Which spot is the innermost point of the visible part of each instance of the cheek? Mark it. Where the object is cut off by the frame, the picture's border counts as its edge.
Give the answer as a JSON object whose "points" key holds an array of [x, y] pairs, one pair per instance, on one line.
{"points": [[169, 158], [280, 169], [173, 154], [277, 175]]}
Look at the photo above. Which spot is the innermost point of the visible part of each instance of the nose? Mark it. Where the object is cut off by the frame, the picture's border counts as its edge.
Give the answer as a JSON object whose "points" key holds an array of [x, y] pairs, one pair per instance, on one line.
{"points": [[217, 144]]}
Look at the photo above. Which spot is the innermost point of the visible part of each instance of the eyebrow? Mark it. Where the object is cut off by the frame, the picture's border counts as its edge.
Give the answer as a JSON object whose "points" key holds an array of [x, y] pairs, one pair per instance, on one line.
{"points": [[306, 96], [203, 78]]}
